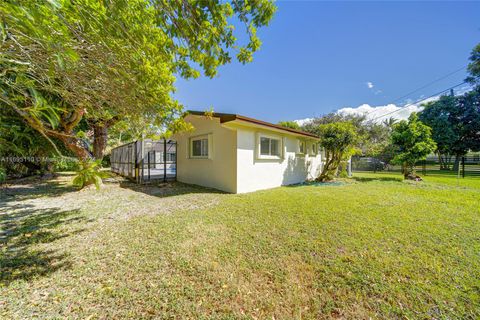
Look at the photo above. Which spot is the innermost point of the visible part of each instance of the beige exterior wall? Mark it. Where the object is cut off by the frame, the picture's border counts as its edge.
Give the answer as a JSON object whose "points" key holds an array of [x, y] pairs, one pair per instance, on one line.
{"points": [[234, 165], [220, 171]]}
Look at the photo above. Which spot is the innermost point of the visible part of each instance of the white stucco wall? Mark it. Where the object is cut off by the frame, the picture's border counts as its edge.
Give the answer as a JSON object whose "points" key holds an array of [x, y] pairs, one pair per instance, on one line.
{"points": [[219, 172], [255, 174]]}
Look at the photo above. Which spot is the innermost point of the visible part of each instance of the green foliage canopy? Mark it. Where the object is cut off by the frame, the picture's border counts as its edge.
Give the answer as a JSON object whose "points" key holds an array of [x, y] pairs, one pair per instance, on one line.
{"points": [[474, 66], [22, 150], [414, 142], [63, 61], [455, 122], [290, 124], [371, 137], [338, 140]]}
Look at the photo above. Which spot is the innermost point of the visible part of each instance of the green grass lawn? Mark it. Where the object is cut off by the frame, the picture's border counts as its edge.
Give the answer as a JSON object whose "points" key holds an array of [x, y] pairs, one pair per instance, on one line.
{"points": [[373, 246]]}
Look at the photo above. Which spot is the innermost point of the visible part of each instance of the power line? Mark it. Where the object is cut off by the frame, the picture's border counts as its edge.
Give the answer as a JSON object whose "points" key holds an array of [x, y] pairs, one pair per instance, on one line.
{"points": [[430, 83], [423, 99], [423, 87]]}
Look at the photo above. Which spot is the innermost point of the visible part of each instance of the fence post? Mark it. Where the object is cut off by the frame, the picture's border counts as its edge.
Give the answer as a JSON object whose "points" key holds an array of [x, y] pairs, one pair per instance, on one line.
{"points": [[135, 165], [142, 177], [164, 160], [148, 159], [463, 167], [175, 144]]}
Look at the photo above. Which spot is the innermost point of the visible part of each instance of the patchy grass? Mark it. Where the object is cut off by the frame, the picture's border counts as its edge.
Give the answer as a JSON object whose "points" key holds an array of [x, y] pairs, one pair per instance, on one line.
{"points": [[374, 246]]}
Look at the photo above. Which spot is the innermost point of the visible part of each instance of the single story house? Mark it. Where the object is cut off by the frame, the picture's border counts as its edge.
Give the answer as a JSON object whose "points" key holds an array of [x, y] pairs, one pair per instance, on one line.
{"points": [[238, 154]]}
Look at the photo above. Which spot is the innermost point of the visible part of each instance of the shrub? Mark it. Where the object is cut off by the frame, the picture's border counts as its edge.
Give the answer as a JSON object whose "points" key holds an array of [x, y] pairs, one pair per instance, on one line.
{"points": [[89, 173], [66, 164]]}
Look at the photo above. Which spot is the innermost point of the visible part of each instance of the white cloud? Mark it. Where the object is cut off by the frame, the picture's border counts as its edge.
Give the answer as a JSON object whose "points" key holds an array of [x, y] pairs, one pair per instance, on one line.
{"points": [[382, 112], [301, 122], [370, 85], [379, 113]]}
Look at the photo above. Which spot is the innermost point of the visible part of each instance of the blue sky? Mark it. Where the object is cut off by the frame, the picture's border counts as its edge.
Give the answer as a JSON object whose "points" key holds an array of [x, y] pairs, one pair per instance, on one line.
{"points": [[318, 57]]}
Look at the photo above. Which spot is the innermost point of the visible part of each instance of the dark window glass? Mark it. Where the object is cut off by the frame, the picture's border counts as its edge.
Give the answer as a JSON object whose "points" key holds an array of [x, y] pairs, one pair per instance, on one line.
{"points": [[274, 147], [200, 148], [269, 147], [264, 146]]}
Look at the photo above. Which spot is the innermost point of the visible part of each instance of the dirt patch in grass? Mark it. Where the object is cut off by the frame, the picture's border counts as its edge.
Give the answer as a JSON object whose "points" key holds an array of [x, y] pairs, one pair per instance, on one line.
{"points": [[117, 199]]}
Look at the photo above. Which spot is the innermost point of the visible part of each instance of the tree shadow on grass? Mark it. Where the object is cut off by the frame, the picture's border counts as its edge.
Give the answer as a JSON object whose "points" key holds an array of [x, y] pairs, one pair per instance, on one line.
{"points": [[369, 179], [34, 187], [167, 189], [25, 233]]}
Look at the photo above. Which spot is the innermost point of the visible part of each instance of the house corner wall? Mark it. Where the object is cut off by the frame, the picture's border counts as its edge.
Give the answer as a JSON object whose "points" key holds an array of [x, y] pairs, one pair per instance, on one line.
{"points": [[218, 172]]}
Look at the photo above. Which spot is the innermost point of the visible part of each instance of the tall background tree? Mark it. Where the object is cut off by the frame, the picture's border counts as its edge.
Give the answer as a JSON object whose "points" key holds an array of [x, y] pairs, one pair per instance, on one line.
{"points": [[442, 117], [474, 66], [455, 123], [71, 67]]}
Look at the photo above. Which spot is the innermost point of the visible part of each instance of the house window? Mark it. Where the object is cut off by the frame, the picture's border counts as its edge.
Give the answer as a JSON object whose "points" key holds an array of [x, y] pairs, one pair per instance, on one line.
{"points": [[269, 147], [199, 147], [314, 149], [301, 146]]}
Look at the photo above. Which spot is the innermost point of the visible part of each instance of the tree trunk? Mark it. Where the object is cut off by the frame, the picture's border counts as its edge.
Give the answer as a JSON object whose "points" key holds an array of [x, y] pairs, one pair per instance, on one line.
{"points": [[77, 146], [100, 135], [444, 161], [440, 161], [329, 170], [457, 162], [410, 173]]}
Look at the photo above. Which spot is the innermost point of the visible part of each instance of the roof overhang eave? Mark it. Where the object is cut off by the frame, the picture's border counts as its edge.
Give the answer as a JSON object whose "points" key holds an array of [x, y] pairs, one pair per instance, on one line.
{"points": [[238, 123]]}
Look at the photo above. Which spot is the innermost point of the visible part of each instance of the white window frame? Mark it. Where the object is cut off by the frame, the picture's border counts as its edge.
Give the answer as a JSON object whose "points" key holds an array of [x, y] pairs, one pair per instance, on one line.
{"points": [[271, 137], [209, 146]]}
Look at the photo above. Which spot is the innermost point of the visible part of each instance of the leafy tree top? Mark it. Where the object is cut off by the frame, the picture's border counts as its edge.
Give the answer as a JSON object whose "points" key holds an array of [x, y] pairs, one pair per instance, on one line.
{"points": [[455, 122], [338, 137], [413, 140], [371, 137], [290, 124], [474, 65]]}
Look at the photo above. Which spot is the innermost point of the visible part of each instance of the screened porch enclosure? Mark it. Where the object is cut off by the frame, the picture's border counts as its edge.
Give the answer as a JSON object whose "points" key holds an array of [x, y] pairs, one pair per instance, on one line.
{"points": [[146, 160]]}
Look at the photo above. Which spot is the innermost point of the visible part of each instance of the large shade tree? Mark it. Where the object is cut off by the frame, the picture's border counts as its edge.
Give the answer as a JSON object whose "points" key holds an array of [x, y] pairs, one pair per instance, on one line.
{"points": [[98, 62], [442, 116], [455, 123]]}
